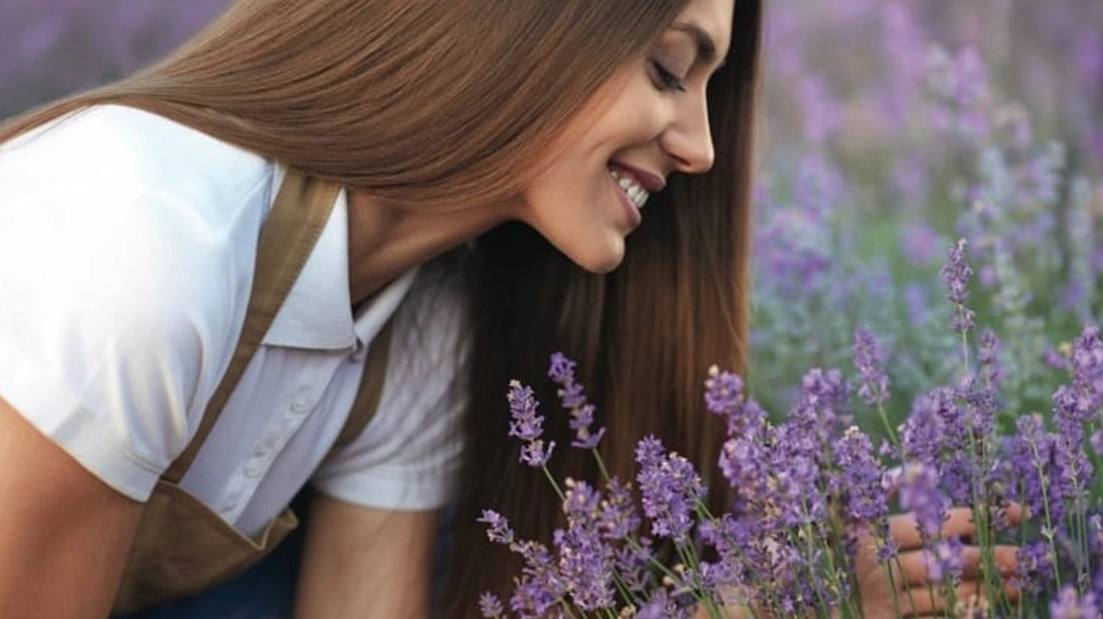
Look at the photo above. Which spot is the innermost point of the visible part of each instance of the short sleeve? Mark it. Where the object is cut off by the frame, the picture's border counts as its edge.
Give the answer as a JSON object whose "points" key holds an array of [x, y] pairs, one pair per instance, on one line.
{"points": [[115, 306], [409, 455]]}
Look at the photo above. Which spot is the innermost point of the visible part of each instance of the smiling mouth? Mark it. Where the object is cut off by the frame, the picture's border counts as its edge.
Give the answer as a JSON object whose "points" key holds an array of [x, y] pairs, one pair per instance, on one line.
{"points": [[631, 187]]}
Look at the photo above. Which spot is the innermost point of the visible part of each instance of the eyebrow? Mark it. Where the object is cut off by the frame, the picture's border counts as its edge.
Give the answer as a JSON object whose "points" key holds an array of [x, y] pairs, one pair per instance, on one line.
{"points": [[706, 47]]}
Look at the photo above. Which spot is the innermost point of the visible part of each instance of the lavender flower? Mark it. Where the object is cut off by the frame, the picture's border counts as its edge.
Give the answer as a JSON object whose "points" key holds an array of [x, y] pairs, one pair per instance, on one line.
{"points": [[920, 495], [573, 398], [499, 530], [988, 358], [860, 480], [1069, 605], [633, 563], [670, 490], [944, 562], [618, 517], [527, 425], [869, 360], [540, 588], [1031, 455], [490, 606], [1035, 566], [821, 413], [956, 273], [585, 561]]}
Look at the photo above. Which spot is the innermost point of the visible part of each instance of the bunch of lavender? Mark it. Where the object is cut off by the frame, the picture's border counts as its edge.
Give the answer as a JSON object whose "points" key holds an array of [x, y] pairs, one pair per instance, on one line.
{"points": [[808, 526]]}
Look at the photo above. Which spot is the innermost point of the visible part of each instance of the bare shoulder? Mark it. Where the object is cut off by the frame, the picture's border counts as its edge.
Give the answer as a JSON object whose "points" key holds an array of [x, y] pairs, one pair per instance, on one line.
{"points": [[64, 534]]}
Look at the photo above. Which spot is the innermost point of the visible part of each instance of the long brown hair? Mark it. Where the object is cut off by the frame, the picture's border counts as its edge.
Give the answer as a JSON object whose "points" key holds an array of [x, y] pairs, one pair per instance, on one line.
{"points": [[419, 101], [644, 335]]}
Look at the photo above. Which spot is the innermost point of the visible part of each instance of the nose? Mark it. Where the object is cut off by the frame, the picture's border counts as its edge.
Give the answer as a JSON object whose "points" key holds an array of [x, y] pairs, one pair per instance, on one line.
{"points": [[688, 138]]}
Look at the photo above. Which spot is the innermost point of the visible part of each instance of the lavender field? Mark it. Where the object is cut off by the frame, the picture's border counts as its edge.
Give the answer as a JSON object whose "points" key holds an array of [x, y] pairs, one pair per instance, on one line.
{"points": [[892, 129]]}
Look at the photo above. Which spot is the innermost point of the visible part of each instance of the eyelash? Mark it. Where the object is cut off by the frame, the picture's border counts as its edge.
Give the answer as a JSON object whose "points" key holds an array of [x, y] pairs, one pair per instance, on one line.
{"points": [[667, 78]]}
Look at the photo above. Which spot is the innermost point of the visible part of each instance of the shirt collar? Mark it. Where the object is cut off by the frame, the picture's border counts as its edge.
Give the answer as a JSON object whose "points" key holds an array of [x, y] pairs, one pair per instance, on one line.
{"points": [[317, 313]]}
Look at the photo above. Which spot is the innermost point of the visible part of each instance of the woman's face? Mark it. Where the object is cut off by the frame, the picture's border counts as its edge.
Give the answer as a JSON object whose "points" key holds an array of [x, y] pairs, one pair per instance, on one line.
{"points": [[652, 120]]}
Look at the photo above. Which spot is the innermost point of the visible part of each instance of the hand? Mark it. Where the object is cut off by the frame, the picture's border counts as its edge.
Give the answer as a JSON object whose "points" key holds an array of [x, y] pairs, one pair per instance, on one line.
{"points": [[910, 571]]}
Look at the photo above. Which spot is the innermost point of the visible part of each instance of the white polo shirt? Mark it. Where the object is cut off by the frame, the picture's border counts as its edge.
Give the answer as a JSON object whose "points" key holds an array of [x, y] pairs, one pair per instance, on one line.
{"points": [[127, 245]]}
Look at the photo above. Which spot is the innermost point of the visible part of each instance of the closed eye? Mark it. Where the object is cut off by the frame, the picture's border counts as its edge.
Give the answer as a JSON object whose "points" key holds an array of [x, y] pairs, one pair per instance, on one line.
{"points": [[666, 77]]}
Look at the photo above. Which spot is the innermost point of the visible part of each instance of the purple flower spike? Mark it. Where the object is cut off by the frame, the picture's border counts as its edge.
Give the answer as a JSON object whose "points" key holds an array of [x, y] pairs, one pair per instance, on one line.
{"points": [[860, 480], [1069, 605], [536, 454], [870, 360], [573, 398], [956, 272], [585, 560], [618, 512], [490, 606], [670, 490], [920, 495], [723, 392], [528, 426], [498, 530]]}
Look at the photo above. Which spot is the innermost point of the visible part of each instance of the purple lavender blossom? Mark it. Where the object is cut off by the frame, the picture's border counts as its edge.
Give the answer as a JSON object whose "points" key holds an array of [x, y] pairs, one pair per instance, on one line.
{"points": [[490, 606], [725, 396], [536, 454], [956, 273], [670, 490], [1069, 605], [572, 396], [1074, 405], [1031, 455], [821, 413], [633, 565], [527, 425], [618, 517], [944, 562], [860, 479], [663, 606], [498, 530], [540, 588], [1053, 358], [1035, 566], [920, 495], [585, 561], [870, 360], [991, 370]]}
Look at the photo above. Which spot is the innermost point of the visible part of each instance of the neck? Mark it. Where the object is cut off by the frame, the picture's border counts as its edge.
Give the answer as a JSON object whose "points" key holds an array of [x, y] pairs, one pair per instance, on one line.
{"points": [[385, 241]]}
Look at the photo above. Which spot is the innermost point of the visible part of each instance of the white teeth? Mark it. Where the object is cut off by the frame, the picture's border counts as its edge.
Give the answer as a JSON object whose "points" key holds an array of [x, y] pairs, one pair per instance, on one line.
{"points": [[637, 194]]}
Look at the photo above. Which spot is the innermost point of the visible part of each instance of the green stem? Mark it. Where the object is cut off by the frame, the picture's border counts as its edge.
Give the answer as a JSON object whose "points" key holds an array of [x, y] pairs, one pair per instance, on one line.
{"points": [[554, 484], [1048, 532], [601, 465]]}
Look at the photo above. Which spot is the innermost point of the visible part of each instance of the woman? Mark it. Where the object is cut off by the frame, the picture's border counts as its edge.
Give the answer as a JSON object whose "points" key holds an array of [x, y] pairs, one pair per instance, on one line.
{"points": [[469, 172]]}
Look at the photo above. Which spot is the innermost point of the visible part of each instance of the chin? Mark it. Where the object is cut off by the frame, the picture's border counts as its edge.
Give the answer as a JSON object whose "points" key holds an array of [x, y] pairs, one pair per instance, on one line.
{"points": [[599, 260]]}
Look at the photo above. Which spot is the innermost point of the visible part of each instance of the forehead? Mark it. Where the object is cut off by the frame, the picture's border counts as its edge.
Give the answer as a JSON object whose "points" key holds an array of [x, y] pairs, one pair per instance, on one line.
{"points": [[712, 16]]}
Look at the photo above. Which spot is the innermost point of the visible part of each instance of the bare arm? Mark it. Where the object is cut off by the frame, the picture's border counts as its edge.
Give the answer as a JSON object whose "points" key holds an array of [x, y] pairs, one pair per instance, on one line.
{"points": [[365, 563], [64, 534]]}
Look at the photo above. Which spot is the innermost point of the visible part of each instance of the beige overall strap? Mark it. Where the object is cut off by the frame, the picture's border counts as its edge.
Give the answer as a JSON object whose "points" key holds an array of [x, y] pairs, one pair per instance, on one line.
{"points": [[371, 387], [301, 209]]}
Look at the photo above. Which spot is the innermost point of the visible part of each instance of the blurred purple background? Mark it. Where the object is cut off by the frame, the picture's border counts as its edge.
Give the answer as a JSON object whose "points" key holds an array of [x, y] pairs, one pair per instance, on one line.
{"points": [[50, 48]]}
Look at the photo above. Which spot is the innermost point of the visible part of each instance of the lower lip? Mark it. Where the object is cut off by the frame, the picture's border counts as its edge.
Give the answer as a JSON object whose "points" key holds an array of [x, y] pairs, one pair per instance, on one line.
{"points": [[634, 215]]}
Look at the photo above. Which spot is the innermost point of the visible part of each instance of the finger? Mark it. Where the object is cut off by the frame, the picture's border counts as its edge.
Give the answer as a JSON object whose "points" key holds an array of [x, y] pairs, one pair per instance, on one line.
{"points": [[913, 566], [905, 530], [1015, 513], [921, 601]]}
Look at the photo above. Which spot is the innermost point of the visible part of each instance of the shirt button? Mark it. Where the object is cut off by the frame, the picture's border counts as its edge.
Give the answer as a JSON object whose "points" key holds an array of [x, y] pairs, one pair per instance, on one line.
{"points": [[254, 468], [302, 402]]}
